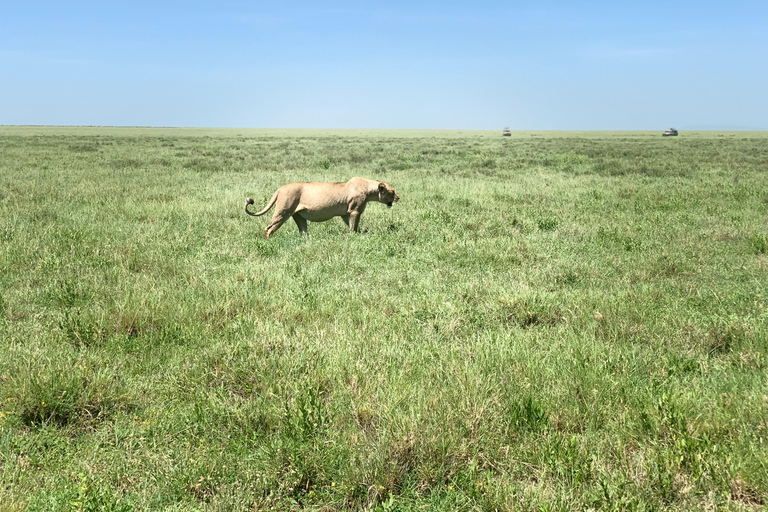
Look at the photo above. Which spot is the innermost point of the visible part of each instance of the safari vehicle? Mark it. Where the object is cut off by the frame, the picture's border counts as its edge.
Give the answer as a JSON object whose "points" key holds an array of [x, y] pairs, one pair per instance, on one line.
{"points": [[506, 132], [669, 133]]}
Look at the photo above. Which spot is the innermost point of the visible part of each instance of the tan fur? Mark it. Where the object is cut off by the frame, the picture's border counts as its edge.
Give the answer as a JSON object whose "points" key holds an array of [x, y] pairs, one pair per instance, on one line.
{"points": [[319, 201]]}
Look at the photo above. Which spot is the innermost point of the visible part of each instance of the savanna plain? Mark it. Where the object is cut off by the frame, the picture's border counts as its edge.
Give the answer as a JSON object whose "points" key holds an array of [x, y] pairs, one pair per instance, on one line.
{"points": [[548, 321]]}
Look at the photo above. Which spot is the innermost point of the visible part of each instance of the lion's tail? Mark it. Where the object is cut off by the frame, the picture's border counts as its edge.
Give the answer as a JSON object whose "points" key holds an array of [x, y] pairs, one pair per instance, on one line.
{"points": [[266, 208]]}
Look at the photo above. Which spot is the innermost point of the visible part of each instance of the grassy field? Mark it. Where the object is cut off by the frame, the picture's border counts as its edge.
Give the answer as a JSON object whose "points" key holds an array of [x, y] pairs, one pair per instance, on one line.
{"points": [[550, 321]]}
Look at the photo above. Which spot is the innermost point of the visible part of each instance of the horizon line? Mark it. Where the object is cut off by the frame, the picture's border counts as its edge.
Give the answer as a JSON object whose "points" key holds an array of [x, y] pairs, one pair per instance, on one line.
{"points": [[177, 127]]}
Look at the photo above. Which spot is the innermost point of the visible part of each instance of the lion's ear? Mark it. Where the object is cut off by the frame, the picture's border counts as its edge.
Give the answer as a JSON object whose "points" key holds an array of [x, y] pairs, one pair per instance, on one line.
{"points": [[382, 188]]}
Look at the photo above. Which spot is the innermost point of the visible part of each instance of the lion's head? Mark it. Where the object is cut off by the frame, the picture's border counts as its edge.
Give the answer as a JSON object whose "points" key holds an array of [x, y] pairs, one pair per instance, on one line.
{"points": [[387, 195]]}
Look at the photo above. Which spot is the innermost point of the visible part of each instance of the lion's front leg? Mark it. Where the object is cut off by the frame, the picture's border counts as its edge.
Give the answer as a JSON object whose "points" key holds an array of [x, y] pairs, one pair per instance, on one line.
{"points": [[355, 211], [354, 219]]}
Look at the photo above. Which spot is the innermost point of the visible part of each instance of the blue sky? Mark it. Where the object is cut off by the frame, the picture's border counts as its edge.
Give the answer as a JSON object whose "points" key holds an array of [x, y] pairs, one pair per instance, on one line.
{"points": [[556, 65]]}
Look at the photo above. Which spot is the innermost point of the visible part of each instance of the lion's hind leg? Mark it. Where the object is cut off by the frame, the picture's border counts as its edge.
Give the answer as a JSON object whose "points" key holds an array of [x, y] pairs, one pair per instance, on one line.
{"points": [[301, 222], [278, 219]]}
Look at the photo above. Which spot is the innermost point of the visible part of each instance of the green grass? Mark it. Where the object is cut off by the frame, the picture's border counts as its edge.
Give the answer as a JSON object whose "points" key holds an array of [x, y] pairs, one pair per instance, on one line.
{"points": [[550, 321]]}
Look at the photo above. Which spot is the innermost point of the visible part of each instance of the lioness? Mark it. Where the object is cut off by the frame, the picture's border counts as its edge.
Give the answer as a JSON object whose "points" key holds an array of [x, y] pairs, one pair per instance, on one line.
{"points": [[318, 202]]}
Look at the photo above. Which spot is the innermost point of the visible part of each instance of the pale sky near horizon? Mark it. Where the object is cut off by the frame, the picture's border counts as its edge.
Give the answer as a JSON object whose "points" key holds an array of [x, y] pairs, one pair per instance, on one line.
{"points": [[557, 65]]}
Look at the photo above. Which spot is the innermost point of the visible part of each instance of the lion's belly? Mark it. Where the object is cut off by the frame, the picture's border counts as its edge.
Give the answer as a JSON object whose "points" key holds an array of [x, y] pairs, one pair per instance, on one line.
{"points": [[322, 214]]}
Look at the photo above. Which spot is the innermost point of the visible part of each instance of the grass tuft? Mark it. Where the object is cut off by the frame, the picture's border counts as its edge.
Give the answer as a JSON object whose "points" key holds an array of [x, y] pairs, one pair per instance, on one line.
{"points": [[71, 395], [759, 243]]}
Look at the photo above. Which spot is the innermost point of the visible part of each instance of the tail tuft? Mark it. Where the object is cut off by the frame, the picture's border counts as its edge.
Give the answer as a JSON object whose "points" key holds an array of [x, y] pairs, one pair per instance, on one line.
{"points": [[249, 202]]}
